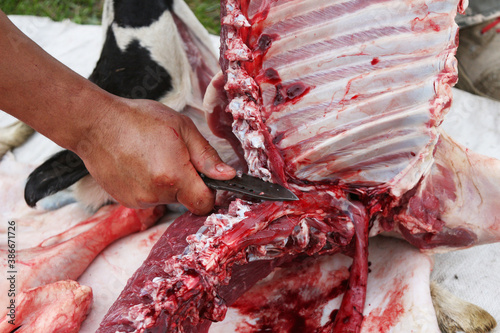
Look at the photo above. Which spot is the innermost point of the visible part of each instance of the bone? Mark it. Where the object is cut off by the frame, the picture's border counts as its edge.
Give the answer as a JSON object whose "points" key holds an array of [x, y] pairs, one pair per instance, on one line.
{"points": [[68, 254], [57, 307], [13, 136], [456, 315]]}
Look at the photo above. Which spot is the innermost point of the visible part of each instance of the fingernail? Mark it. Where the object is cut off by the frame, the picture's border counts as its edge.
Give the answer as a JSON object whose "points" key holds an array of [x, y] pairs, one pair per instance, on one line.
{"points": [[223, 168]]}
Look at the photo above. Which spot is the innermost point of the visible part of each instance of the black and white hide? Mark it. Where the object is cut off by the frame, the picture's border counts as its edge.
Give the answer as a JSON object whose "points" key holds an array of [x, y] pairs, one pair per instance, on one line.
{"points": [[154, 49]]}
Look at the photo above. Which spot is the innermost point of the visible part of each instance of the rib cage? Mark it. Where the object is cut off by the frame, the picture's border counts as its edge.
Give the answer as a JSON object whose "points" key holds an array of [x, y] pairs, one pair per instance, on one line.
{"points": [[325, 121], [376, 91]]}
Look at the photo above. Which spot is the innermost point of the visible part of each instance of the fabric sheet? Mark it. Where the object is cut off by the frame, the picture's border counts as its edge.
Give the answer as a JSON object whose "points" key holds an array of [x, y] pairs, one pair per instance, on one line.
{"points": [[472, 274], [479, 11]]}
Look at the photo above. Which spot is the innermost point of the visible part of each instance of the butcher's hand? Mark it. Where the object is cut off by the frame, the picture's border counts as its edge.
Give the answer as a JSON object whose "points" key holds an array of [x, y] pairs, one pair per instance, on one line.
{"points": [[144, 153], [141, 152]]}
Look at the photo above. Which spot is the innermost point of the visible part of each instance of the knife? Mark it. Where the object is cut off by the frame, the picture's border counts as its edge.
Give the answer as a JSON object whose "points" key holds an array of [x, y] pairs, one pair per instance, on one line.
{"points": [[251, 186]]}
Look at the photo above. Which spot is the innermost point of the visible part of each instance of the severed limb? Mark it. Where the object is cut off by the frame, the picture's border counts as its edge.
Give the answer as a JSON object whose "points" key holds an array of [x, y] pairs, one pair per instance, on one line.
{"points": [[57, 307], [457, 315], [67, 255]]}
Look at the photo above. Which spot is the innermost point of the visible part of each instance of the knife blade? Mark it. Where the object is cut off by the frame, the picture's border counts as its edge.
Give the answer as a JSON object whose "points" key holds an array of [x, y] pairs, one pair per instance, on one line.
{"points": [[251, 186]]}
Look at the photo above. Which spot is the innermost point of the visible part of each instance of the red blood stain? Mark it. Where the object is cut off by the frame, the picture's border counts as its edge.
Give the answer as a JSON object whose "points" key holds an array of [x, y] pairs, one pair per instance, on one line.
{"points": [[270, 76], [434, 26], [152, 238], [383, 319], [491, 26], [293, 301], [422, 24], [264, 42], [260, 48], [175, 132], [375, 61], [290, 93]]}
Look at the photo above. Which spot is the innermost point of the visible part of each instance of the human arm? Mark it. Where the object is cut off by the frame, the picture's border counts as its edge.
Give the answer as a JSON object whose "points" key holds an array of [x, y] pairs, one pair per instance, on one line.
{"points": [[141, 152]]}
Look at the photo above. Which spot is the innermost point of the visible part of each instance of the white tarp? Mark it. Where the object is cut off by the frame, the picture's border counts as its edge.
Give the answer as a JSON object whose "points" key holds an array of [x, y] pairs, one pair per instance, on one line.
{"points": [[472, 274]]}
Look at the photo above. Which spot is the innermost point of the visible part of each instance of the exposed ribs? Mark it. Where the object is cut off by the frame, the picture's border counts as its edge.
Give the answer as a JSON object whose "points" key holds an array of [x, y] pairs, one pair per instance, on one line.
{"points": [[341, 102]]}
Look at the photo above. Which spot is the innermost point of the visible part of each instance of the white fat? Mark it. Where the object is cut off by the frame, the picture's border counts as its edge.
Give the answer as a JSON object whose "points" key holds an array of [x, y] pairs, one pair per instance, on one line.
{"points": [[237, 19], [301, 234], [237, 50], [158, 279], [215, 226], [256, 140]]}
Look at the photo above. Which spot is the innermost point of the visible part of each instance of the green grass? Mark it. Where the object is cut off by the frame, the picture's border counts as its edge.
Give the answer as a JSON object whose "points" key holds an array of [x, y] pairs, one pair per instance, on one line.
{"points": [[79, 11], [90, 11], [207, 11]]}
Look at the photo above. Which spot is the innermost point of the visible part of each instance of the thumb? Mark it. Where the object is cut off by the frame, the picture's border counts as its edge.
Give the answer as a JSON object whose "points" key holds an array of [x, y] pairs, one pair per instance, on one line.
{"points": [[205, 158]]}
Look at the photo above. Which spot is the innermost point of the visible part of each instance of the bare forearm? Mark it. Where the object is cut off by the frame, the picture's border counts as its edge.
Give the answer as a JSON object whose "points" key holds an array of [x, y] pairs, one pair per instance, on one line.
{"points": [[42, 92], [142, 152]]}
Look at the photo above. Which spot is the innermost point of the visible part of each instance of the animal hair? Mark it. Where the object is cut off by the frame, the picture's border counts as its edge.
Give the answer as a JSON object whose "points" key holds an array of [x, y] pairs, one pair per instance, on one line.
{"points": [[13, 136], [456, 315], [89, 193]]}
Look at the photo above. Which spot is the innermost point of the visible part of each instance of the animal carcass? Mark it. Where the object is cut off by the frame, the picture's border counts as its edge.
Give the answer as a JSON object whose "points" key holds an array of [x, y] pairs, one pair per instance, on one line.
{"points": [[341, 102]]}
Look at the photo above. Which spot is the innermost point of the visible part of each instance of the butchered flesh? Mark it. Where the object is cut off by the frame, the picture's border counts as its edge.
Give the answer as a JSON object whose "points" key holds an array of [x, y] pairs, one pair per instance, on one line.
{"points": [[350, 90], [338, 100], [301, 296]]}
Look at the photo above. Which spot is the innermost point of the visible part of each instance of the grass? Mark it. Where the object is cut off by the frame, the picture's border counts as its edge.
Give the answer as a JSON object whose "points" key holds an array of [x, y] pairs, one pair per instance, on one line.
{"points": [[90, 11], [207, 11], [79, 11]]}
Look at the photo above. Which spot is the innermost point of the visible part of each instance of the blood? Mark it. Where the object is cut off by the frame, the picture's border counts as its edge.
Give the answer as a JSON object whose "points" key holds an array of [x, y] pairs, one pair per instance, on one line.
{"points": [[264, 42], [383, 319], [350, 314], [423, 24], [175, 132], [151, 239], [194, 277], [491, 26], [270, 76], [375, 61], [290, 93], [294, 301]]}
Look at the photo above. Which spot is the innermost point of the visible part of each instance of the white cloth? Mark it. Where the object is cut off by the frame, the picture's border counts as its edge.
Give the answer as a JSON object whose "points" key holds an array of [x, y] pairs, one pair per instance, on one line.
{"points": [[472, 274]]}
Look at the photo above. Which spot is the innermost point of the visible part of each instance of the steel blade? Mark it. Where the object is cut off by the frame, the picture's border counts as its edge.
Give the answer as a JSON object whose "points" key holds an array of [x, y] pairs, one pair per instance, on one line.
{"points": [[252, 187]]}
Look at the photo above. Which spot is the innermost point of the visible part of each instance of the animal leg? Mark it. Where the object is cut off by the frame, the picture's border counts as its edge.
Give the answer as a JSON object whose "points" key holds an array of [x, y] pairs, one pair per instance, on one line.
{"points": [[456, 203], [67, 255], [57, 307], [13, 136], [455, 314]]}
